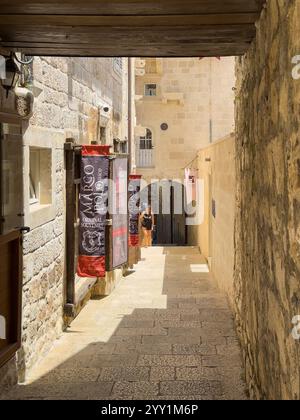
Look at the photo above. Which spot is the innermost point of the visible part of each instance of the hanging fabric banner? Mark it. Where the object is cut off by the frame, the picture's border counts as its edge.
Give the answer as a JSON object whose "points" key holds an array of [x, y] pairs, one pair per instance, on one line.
{"points": [[190, 186], [120, 213], [93, 204], [134, 209]]}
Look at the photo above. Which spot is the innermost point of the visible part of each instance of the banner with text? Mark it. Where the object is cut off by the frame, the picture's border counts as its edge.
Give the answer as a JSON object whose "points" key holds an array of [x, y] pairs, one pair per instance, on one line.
{"points": [[93, 209]]}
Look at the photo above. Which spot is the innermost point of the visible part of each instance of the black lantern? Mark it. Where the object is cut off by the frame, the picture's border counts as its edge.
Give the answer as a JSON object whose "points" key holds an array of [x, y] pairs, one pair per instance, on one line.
{"points": [[11, 75]]}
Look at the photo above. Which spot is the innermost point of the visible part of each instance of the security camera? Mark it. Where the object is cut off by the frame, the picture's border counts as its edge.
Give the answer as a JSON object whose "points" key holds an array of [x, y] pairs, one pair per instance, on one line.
{"points": [[105, 108]]}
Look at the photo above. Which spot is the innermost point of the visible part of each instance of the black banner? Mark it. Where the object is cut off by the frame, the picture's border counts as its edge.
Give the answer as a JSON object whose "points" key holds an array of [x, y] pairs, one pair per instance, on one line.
{"points": [[93, 210]]}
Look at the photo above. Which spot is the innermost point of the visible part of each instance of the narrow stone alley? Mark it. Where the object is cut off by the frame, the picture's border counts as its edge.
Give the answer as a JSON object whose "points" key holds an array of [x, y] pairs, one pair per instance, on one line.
{"points": [[126, 124], [165, 333]]}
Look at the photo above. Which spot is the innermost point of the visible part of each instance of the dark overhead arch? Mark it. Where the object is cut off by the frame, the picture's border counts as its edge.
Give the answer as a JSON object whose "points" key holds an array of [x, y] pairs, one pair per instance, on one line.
{"points": [[129, 27]]}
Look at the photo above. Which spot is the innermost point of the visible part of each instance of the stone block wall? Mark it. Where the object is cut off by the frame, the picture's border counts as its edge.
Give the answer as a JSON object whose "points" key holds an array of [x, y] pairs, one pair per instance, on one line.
{"points": [[215, 166], [222, 172], [70, 97], [73, 93], [267, 233], [43, 286], [195, 98], [8, 375]]}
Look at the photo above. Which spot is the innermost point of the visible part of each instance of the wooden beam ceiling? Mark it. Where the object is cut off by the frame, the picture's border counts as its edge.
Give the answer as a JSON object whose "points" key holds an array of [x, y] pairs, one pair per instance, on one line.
{"points": [[129, 27]]}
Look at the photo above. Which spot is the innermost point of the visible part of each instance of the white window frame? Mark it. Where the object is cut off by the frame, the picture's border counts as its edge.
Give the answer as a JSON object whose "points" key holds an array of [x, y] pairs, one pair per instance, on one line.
{"points": [[34, 176], [45, 211], [145, 155]]}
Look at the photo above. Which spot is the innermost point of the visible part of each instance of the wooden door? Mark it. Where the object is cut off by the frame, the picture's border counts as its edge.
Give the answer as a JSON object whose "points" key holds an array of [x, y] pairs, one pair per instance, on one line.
{"points": [[10, 295], [73, 177], [178, 217], [164, 229], [11, 222], [171, 228]]}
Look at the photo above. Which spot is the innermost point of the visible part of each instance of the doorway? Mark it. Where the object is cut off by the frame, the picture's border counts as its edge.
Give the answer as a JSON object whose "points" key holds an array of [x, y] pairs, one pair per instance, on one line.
{"points": [[169, 214]]}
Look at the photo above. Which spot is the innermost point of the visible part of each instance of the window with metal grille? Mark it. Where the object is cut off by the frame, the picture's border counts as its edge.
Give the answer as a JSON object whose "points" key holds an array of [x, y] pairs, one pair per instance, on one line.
{"points": [[145, 150], [150, 89]]}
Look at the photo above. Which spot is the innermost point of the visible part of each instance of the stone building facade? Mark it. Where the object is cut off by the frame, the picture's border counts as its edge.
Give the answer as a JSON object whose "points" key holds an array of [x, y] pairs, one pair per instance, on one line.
{"points": [[267, 233], [215, 165], [82, 99], [190, 104], [265, 294], [257, 178]]}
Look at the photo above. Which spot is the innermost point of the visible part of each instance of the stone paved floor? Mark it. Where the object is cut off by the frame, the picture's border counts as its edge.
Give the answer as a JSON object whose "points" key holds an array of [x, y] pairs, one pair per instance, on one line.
{"points": [[165, 333]]}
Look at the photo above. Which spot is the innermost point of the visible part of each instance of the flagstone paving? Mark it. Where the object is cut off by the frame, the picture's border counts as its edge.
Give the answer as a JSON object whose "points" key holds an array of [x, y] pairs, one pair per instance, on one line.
{"points": [[165, 333]]}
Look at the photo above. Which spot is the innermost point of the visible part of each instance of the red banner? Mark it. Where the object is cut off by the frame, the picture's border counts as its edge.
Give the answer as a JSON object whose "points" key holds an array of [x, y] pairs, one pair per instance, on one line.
{"points": [[93, 210], [134, 209]]}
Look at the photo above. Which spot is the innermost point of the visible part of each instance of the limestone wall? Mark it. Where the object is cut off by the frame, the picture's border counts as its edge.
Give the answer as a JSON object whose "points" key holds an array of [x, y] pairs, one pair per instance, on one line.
{"points": [[8, 375], [195, 98], [73, 95], [70, 97], [267, 234], [215, 165], [43, 280]]}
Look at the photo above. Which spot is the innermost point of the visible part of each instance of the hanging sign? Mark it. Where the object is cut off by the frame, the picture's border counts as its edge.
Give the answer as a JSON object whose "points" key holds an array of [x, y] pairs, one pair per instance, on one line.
{"points": [[120, 213], [93, 204], [134, 209]]}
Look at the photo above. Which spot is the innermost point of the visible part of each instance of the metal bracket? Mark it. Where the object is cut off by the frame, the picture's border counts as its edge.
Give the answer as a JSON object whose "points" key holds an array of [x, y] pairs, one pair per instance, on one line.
{"points": [[69, 144], [25, 229]]}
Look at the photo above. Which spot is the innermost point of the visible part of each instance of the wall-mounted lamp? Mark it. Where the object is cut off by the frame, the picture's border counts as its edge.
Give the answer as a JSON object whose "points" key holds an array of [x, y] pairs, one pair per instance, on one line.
{"points": [[11, 76]]}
